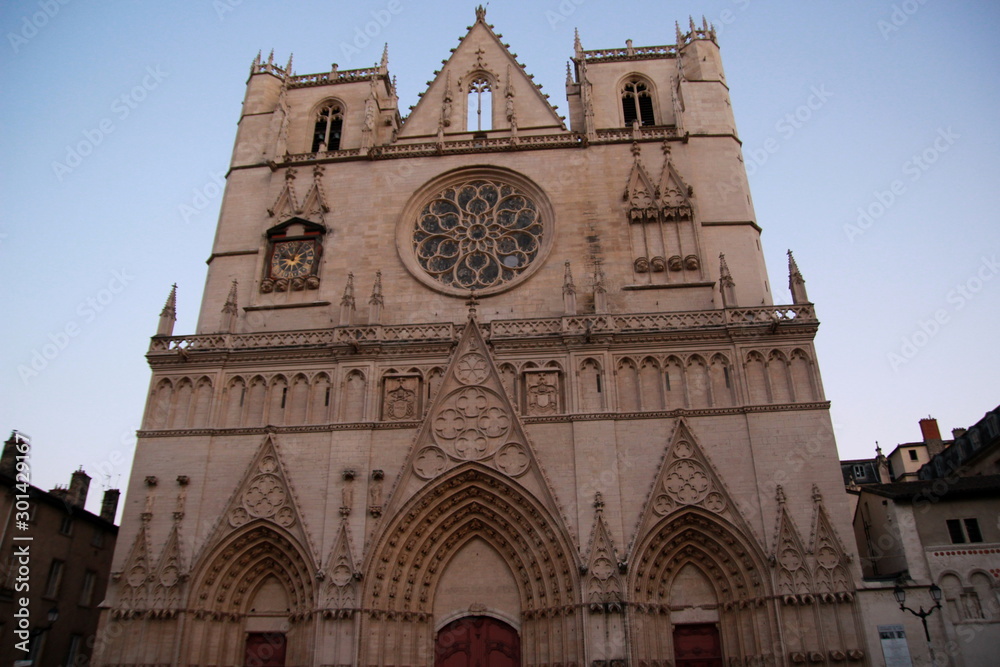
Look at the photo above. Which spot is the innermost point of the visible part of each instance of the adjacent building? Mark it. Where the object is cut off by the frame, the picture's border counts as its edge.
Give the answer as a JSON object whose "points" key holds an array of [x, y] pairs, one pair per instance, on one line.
{"points": [[56, 556], [941, 529]]}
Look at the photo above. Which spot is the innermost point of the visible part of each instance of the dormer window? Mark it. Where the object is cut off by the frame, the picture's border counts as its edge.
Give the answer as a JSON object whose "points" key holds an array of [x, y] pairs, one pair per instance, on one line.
{"points": [[329, 122], [480, 105], [637, 103]]}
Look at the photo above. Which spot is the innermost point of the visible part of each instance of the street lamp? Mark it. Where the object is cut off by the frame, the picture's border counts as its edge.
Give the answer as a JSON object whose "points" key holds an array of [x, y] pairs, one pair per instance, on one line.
{"points": [[935, 592], [33, 636]]}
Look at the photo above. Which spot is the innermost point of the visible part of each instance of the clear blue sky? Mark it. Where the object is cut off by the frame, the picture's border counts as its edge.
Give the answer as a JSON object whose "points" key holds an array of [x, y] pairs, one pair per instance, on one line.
{"points": [[119, 118]]}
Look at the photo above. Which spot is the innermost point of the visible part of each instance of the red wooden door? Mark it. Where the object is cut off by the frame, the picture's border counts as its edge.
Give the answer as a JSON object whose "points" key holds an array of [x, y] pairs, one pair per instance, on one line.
{"points": [[265, 649], [697, 645], [477, 641]]}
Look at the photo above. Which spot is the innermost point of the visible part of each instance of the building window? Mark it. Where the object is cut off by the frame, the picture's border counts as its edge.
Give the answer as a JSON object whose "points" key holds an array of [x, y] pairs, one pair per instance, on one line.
{"points": [[87, 592], [480, 105], [73, 655], [913, 454], [55, 578], [97, 540], [637, 103], [329, 123], [964, 530], [66, 527], [859, 472]]}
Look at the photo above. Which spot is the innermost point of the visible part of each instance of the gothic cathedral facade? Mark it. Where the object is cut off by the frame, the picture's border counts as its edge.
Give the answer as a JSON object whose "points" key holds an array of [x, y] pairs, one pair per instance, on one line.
{"points": [[484, 386]]}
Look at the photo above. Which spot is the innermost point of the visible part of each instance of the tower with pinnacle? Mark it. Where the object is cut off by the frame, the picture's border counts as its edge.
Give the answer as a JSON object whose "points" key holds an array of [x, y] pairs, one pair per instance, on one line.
{"points": [[569, 425]]}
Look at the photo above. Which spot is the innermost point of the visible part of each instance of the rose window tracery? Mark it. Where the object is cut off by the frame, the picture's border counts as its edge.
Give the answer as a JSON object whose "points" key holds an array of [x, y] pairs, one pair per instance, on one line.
{"points": [[480, 234]]}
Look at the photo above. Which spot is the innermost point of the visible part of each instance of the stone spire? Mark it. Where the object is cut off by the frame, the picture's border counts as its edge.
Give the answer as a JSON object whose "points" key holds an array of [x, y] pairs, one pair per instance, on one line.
{"points": [[288, 67], [384, 63], [229, 310], [600, 289], [569, 74], [577, 45], [168, 315], [347, 302], [796, 283], [569, 291], [375, 301], [726, 285]]}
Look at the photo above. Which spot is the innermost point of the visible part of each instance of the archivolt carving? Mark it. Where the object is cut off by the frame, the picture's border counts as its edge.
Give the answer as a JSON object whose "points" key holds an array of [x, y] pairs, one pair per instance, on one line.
{"points": [[248, 556], [716, 547], [404, 565]]}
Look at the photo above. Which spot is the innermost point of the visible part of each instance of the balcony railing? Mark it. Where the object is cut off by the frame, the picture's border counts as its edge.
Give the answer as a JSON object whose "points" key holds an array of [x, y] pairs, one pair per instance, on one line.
{"points": [[741, 319]]}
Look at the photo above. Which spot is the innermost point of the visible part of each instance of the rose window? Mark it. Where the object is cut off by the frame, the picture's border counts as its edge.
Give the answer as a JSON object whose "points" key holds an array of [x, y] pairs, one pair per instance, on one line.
{"points": [[480, 234]]}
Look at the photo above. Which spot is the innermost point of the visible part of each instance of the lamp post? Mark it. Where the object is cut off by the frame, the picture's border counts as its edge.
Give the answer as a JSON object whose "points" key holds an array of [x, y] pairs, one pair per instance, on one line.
{"points": [[935, 592], [52, 616]]}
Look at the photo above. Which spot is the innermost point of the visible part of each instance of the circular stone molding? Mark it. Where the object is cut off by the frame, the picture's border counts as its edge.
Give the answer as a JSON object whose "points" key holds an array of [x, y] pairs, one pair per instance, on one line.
{"points": [[482, 228]]}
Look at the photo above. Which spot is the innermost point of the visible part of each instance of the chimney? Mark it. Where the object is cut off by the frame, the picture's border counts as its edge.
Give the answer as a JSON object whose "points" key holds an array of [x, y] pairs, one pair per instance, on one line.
{"points": [[79, 484], [109, 505], [929, 429], [8, 460], [957, 433]]}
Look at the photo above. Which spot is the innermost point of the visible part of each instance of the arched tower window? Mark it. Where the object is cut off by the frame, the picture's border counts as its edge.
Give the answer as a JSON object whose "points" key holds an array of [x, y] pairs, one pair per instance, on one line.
{"points": [[480, 104], [329, 122], [637, 102]]}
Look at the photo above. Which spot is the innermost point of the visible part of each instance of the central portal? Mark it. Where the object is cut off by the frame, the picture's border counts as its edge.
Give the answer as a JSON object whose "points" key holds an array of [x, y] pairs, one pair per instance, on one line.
{"points": [[697, 645], [477, 641]]}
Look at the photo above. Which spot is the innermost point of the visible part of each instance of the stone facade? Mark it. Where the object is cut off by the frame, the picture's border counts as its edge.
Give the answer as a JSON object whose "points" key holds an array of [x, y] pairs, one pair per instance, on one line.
{"points": [[480, 369]]}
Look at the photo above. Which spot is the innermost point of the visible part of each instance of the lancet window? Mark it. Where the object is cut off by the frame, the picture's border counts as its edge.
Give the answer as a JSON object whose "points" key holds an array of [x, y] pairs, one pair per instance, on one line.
{"points": [[637, 102], [480, 104], [329, 123]]}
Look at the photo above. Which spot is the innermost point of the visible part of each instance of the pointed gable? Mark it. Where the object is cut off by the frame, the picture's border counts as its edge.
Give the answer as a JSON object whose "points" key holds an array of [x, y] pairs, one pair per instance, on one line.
{"points": [[314, 205], [789, 555], [605, 586], [481, 56], [287, 204], [833, 580], [472, 420], [674, 193], [265, 496], [687, 479], [168, 577], [341, 575], [133, 596], [640, 193]]}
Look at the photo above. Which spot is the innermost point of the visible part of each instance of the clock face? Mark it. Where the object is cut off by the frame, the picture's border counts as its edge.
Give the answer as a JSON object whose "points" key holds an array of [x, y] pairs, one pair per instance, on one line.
{"points": [[293, 259]]}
